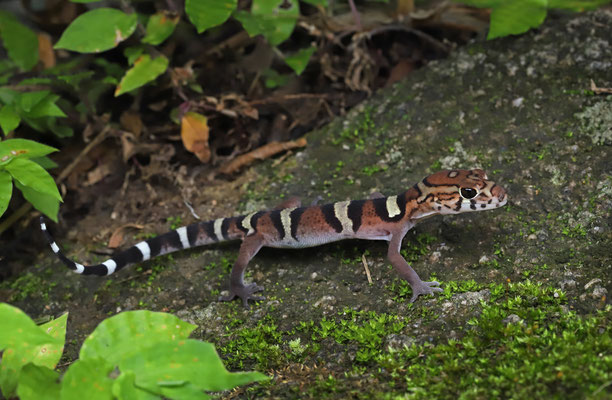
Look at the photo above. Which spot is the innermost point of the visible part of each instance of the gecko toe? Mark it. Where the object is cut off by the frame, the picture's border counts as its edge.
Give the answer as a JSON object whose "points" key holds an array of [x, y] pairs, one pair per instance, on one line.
{"points": [[424, 288], [245, 293]]}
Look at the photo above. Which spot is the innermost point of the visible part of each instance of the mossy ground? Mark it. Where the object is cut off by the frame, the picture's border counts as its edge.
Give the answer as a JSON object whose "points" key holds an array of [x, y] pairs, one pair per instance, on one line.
{"points": [[526, 308]]}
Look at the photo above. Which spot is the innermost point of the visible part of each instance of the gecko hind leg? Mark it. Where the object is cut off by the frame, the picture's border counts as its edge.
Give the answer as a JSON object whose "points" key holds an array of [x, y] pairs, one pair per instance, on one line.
{"points": [[249, 247]]}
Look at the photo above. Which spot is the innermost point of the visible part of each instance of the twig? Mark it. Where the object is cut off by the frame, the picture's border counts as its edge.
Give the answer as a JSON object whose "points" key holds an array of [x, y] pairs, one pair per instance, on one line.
{"points": [[365, 266], [355, 13], [296, 96], [21, 211], [196, 216], [97, 140], [422, 35], [261, 153], [599, 90]]}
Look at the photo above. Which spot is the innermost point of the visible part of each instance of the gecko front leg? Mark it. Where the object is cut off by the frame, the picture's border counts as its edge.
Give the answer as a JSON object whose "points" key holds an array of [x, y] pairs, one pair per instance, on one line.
{"points": [[249, 247], [405, 271]]}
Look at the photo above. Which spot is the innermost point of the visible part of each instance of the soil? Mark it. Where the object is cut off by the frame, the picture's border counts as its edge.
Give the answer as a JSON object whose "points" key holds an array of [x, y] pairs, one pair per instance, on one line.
{"points": [[518, 107]]}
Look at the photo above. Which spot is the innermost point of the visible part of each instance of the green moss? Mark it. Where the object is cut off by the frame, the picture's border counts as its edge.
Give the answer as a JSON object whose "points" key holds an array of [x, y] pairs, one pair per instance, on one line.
{"points": [[523, 343], [175, 222], [30, 285]]}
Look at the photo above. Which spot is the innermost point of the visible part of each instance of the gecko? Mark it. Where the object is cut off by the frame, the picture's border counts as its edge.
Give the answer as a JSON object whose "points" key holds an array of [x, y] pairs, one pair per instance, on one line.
{"points": [[290, 225]]}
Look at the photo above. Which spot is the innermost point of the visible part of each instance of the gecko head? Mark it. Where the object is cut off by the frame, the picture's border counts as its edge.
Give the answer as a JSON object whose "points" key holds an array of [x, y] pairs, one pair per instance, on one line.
{"points": [[458, 191]]}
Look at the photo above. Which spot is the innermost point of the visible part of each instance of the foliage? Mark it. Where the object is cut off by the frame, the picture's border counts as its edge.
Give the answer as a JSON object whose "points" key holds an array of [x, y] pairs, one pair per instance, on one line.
{"points": [[102, 29], [20, 163], [518, 16], [152, 352]]}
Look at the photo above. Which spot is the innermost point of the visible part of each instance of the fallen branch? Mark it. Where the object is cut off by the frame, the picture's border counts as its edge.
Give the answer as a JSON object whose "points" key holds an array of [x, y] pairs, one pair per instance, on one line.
{"points": [[261, 153]]}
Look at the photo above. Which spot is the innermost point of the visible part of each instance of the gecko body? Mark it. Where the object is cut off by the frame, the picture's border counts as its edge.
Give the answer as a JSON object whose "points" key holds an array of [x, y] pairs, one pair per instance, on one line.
{"points": [[292, 226]]}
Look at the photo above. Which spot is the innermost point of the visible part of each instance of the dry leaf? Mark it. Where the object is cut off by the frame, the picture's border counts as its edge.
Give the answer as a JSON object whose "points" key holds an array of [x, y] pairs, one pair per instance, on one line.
{"points": [[97, 174], [194, 133], [128, 147], [260, 153], [131, 122], [117, 236], [45, 50]]}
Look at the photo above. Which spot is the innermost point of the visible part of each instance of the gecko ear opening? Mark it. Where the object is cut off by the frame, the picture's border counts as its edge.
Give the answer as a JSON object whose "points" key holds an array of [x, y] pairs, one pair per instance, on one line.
{"points": [[468, 193]]}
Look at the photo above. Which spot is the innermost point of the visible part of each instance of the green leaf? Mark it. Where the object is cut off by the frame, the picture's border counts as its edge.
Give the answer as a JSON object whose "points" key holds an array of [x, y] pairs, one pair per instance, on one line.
{"points": [[36, 382], [22, 148], [515, 17], [160, 26], [61, 131], [174, 364], [8, 96], [124, 388], [113, 339], [21, 341], [88, 376], [51, 353], [205, 14], [46, 108], [76, 79], [274, 19], [144, 71], [20, 41], [46, 354], [45, 162], [273, 79], [298, 60], [44, 203], [30, 174], [27, 101], [98, 30], [9, 119], [132, 53], [6, 190], [323, 3]]}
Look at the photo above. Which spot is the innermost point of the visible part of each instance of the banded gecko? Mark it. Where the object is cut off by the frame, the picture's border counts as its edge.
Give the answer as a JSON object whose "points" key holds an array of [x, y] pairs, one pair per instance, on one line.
{"points": [[292, 226]]}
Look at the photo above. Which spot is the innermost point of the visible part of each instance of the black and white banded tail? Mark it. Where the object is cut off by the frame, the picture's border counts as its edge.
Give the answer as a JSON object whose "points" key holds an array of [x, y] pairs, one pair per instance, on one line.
{"points": [[182, 238]]}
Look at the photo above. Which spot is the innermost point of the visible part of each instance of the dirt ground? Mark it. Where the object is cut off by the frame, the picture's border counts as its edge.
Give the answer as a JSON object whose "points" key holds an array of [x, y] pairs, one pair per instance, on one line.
{"points": [[519, 107]]}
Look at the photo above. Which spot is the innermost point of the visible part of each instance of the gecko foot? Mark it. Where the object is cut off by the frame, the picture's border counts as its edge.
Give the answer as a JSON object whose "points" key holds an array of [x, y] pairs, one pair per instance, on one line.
{"points": [[424, 288], [245, 293]]}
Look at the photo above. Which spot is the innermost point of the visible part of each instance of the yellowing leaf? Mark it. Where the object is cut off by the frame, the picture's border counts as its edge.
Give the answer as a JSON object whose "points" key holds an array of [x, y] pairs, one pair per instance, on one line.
{"points": [[194, 132]]}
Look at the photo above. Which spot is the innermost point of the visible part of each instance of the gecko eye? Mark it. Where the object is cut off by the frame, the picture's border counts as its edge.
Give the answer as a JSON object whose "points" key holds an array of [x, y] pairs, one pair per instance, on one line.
{"points": [[468, 193]]}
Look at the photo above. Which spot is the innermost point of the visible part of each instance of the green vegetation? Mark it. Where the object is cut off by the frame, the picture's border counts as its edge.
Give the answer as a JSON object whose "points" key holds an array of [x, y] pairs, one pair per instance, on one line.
{"points": [[130, 342], [28, 286], [524, 342], [518, 16], [23, 162]]}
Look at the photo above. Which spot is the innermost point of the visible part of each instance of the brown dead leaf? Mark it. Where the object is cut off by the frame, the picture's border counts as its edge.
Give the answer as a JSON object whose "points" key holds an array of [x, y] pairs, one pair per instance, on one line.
{"points": [[128, 146], [97, 174], [260, 153], [182, 76], [45, 50], [117, 236], [131, 122], [194, 133], [403, 68]]}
